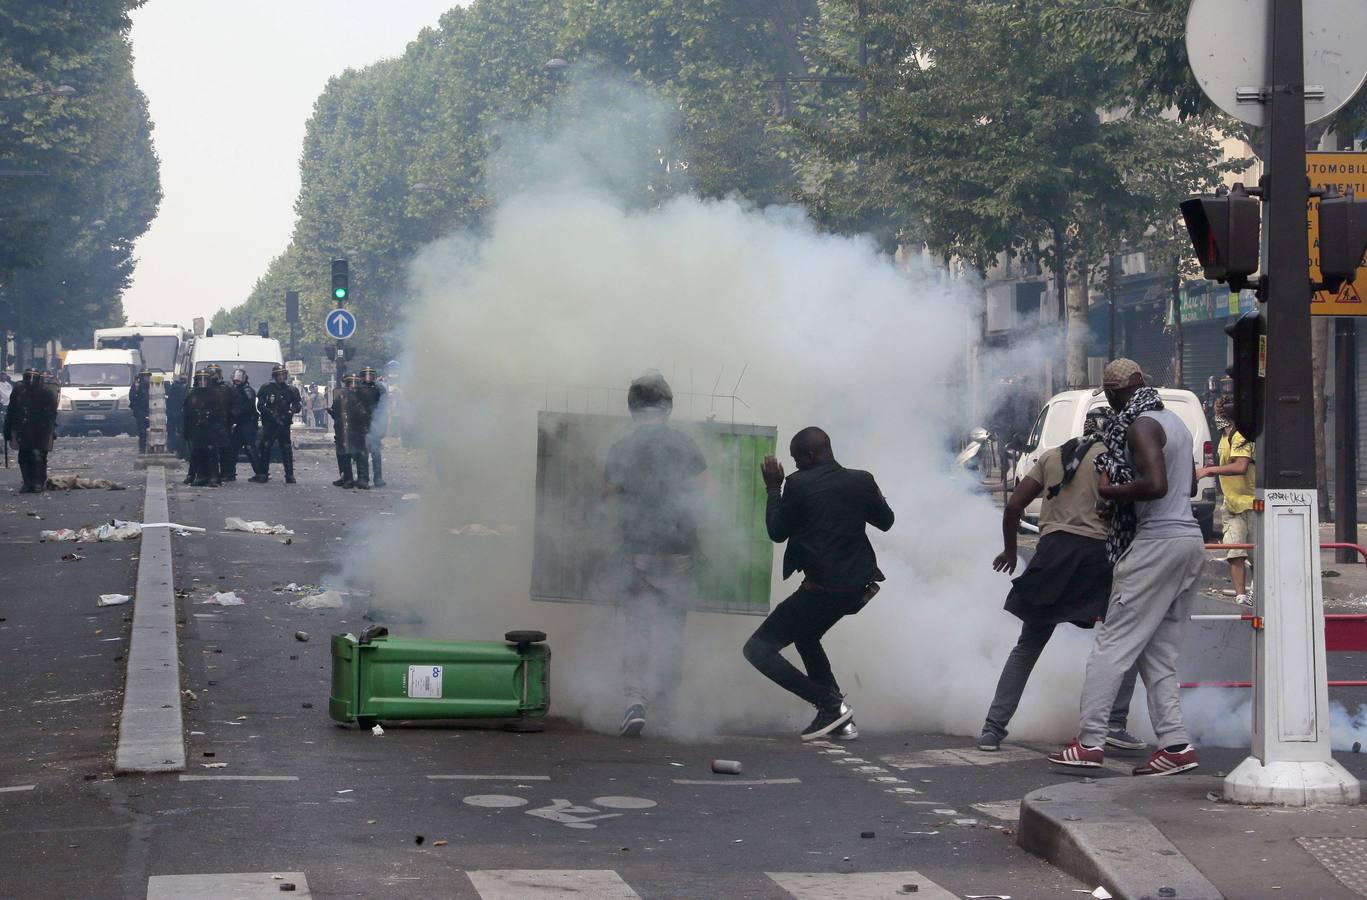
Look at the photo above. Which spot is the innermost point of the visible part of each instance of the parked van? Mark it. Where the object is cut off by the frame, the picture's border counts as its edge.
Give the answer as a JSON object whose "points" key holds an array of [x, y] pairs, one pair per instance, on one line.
{"points": [[256, 355], [94, 391], [1063, 416]]}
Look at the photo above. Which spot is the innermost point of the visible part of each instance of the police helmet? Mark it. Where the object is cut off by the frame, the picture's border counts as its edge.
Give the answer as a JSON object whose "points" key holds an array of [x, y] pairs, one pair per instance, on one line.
{"points": [[202, 378], [215, 371], [239, 376], [32, 376], [351, 379], [368, 374], [278, 371]]}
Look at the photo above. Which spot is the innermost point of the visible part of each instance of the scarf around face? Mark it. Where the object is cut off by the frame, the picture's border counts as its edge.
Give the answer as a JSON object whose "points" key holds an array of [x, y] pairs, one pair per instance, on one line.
{"points": [[1115, 463]]}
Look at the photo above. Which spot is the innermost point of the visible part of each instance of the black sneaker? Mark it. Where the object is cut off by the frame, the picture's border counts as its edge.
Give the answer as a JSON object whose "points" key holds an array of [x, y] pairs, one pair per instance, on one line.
{"points": [[989, 742], [342, 483], [379, 482], [826, 721], [259, 479], [289, 479], [634, 722]]}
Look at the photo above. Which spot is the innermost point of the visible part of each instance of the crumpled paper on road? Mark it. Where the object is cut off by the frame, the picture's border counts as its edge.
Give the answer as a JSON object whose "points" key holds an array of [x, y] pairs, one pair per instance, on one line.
{"points": [[111, 531], [329, 599], [233, 523], [224, 598], [77, 483], [113, 599]]}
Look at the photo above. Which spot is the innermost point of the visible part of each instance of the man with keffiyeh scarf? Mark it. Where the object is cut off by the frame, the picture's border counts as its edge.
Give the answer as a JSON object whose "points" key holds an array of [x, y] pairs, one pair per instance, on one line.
{"points": [[1067, 580], [1148, 477]]}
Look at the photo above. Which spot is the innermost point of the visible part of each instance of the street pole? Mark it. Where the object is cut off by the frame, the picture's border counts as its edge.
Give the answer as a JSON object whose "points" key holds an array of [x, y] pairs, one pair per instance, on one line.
{"points": [[1291, 762], [1345, 437]]}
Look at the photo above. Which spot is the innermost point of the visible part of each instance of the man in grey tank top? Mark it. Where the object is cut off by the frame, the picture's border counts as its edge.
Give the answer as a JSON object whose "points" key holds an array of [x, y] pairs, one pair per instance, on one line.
{"points": [[1148, 476]]}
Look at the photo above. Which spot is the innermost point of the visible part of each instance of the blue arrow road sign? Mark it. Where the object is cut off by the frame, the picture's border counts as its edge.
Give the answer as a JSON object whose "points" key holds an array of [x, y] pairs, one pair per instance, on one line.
{"points": [[340, 324]]}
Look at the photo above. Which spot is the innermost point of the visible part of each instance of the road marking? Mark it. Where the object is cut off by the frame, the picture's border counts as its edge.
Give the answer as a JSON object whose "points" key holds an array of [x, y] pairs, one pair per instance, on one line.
{"points": [[965, 756], [489, 777], [856, 885], [226, 886], [623, 802], [494, 801], [17, 787], [1006, 810], [540, 884], [738, 781], [239, 778]]}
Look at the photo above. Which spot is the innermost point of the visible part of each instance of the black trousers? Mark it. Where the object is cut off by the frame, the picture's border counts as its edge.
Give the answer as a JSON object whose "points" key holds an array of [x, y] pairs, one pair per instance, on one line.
{"points": [[375, 446], [802, 620], [33, 466], [362, 464], [204, 460], [270, 436], [242, 438]]}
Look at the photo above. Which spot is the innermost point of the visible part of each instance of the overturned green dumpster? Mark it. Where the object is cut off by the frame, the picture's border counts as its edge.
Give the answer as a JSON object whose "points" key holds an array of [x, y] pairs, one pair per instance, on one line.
{"points": [[377, 677]]}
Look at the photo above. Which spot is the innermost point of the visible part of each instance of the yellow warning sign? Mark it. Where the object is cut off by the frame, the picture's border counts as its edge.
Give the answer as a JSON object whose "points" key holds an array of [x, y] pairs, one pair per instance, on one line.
{"points": [[1343, 171]]}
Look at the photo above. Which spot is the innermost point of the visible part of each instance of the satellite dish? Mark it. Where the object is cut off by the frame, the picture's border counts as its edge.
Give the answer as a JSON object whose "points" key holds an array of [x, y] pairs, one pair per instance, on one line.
{"points": [[1227, 48]]}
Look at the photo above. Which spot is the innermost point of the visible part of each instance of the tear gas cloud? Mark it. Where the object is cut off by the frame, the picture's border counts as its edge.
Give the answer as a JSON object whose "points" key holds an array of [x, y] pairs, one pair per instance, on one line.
{"points": [[574, 287]]}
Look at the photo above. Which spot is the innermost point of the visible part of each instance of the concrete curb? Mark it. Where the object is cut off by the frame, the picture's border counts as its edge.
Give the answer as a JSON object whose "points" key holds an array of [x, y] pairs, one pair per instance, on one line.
{"points": [[151, 730], [1080, 828]]}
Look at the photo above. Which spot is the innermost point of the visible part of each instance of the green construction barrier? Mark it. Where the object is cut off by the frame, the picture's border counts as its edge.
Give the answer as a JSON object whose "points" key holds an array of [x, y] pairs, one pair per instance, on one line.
{"points": [[379, 677]]}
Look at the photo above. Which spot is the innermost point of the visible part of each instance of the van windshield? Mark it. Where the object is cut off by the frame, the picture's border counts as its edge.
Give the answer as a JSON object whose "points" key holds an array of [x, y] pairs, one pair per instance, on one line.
{"points": [[97, 375], [258, 373]]}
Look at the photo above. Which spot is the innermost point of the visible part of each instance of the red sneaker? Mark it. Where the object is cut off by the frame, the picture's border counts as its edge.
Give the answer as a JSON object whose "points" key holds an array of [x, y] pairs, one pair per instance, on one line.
{"points": [[1076, 755], [1164, 763]]}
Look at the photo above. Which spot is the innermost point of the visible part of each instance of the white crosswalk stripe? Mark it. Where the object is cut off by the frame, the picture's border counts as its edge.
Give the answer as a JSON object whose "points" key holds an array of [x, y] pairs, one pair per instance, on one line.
{"points": [[536, 884], [859, 885]]}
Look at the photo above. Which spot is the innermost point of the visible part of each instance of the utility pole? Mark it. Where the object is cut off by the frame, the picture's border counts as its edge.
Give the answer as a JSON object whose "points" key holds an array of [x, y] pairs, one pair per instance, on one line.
{"points": [[292, 317], [341, 290], [1291, 762]]}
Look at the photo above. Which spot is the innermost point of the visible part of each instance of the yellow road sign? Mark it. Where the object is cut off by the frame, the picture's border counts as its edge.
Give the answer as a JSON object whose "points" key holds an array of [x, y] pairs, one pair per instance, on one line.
{"points": [[1343, 171]]}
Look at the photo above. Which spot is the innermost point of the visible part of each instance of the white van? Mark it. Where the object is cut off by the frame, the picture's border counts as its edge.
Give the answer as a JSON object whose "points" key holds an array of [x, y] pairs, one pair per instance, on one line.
{"points": [[1062, 418], [94, 392], [256, 355]]}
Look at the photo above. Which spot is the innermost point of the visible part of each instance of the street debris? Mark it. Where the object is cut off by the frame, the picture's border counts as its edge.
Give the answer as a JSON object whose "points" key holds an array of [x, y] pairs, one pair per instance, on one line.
{"points": [[115, 530], [347, 791], [441, 843], [233, 523], [377, 730], [72, 557], [411, 497], [77, 483], [214, 765], [301, 636], [224, 598], [329, 599], [113, 599], [866, 834], [1101, 893], [726, 766], [909, 889], [987, 897]]}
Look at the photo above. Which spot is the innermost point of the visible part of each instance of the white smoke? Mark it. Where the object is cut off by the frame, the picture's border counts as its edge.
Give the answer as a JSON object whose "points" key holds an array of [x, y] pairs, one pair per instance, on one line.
{"points": [[573, 289]]}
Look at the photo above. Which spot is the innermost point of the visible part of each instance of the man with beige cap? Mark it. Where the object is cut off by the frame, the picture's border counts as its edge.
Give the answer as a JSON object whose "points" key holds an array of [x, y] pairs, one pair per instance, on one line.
{"points": [[1147, 478]]}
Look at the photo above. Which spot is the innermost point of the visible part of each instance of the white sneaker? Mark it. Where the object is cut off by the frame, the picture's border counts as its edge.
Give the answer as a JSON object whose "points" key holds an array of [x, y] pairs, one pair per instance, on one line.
{"points": [[1244, 599]]}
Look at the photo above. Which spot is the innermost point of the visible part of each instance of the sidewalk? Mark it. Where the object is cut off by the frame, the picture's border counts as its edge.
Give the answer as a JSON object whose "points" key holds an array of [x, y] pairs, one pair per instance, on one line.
{"points": [[1137, 836]]}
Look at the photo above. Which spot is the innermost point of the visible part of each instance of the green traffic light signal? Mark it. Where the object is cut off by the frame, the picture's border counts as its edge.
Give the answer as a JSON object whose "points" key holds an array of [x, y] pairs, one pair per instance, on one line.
{"points": [[339, 293], [340, 280]]}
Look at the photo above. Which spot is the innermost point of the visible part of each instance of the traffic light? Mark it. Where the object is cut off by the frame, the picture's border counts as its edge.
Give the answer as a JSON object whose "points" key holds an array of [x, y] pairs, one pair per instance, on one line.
{"points": [[340, 289], [1343, 238], [291, 306], [1225, 230], [1248, 372]]}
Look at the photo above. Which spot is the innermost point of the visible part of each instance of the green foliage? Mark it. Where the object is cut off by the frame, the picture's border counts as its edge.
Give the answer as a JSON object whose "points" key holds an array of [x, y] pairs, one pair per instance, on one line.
{"points": [[79, 176]]}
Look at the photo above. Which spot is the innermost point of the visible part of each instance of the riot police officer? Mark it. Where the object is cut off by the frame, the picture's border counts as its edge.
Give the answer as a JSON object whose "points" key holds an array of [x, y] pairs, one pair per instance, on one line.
{"points": [[30, 422], [204, 418], [376, 397], [227, 398], [176, 392], [242, 417], [350, 423], [277, 403], [140, 403]]}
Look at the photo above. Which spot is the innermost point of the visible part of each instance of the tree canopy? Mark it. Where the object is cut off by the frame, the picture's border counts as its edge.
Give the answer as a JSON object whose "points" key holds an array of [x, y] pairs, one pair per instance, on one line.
{"points": [[79, 174]]}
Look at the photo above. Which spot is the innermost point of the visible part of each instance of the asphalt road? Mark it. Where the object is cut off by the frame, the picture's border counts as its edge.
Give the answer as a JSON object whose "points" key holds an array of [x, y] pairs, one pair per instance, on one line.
{"points": [[424, 811]]}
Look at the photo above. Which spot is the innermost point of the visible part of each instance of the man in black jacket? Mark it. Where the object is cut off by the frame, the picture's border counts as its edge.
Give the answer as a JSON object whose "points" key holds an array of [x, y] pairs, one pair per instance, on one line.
{"points": [[350, 425], [242, 418], [204, 417], [30, 421], [821, 513]]}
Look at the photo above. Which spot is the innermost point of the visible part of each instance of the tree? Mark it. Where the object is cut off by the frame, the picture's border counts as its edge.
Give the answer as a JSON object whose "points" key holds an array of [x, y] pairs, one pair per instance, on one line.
{"points": [[976, 149]]}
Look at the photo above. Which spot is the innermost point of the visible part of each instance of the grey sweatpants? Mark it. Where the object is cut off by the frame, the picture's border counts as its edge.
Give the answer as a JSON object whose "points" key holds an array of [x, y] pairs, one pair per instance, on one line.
{"points": [[1151, 596], [654, 615]]}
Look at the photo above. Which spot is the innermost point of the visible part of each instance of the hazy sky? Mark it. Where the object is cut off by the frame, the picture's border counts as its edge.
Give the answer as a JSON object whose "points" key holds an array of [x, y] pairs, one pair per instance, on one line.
{"points": [[230, 84]]}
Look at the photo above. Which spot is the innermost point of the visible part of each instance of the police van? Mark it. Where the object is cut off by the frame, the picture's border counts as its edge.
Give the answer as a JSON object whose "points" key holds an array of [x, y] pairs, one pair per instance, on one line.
{"points": [[254, 354], [94, 392]]}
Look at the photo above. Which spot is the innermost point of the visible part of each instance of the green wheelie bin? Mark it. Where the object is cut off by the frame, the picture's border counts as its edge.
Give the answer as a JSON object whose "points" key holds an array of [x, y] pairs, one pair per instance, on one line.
{"points": [[379, 677]]}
